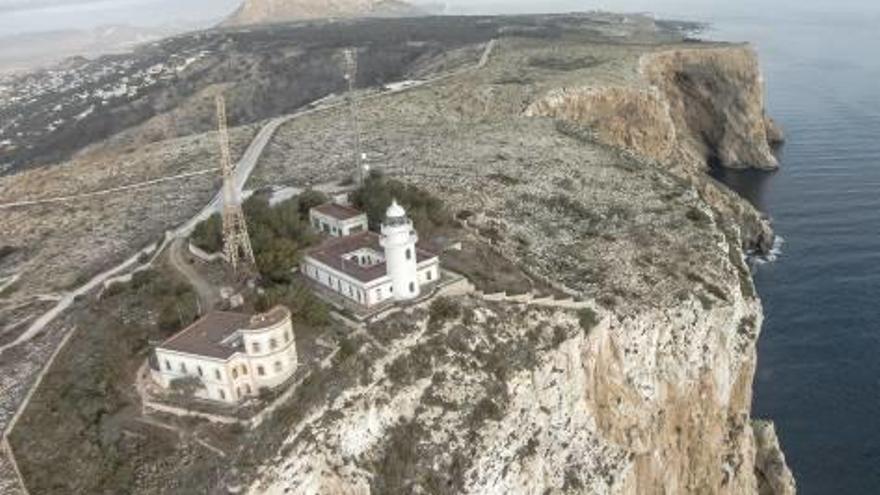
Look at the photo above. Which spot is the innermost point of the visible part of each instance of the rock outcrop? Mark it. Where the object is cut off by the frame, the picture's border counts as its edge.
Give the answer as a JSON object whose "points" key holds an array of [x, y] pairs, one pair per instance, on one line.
{"points": [[774, 476], [267, 11], [651, 393], [695, 106]]}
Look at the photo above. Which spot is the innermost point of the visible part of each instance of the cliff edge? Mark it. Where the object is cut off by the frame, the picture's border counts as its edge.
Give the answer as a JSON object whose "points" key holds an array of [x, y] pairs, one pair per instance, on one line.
{"points": [[695, 107], [584, 164]]}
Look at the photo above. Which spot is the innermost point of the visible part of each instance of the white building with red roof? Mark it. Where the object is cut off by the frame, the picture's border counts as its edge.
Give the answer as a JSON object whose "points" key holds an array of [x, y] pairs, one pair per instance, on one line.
{"points": [[369, 269], [232, 355], [337, 220]]}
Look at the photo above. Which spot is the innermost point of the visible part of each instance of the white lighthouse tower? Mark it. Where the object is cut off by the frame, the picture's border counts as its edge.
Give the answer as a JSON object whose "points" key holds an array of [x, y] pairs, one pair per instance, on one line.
{"points": [[399, 239]]}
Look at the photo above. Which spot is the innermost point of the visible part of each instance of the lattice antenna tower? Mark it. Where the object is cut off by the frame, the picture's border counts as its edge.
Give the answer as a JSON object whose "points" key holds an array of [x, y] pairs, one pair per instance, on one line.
{"points": [[351, 70], [236, 241]]}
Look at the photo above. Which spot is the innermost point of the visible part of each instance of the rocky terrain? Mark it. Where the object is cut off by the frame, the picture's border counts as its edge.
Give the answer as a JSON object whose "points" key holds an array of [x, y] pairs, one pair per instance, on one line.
{"points": [[578, 152]]}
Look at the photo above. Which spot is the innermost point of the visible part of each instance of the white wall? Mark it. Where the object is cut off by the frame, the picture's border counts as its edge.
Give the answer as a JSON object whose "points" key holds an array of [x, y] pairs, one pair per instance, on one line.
{"points": [[268, 359], [343, 284], [335, 227], [238, 377], [214, 374]]}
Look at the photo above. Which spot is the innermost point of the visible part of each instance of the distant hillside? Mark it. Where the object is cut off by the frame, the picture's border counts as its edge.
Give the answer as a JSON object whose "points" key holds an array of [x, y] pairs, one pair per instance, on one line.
{"points": [[266, 11], [28, 51]]}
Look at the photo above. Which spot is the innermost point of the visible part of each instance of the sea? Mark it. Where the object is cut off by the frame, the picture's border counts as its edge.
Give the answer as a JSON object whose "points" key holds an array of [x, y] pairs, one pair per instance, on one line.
{"points": [[818, 372]]}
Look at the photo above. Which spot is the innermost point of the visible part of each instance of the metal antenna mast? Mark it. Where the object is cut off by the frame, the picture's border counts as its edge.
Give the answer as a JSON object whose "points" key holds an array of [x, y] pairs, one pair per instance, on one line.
{"points": [[236, 242], [351, 64]]}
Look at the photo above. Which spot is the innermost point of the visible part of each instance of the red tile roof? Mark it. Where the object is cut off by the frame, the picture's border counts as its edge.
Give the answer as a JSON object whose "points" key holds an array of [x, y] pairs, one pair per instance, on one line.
{"points": [[331, 253], [205, 337], [337, 211]]}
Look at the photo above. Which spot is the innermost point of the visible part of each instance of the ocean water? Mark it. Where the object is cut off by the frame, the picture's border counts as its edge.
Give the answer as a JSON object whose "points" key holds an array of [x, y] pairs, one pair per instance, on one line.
{"points": [[819, 355]]}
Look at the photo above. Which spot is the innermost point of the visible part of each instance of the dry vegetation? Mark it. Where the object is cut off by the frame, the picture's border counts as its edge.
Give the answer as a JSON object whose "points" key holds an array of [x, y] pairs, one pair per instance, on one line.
{"points": [[624, 232]]}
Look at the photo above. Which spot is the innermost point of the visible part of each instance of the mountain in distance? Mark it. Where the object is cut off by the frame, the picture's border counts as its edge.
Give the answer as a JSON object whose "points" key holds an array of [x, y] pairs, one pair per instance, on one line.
{"points": [[268, 11]]}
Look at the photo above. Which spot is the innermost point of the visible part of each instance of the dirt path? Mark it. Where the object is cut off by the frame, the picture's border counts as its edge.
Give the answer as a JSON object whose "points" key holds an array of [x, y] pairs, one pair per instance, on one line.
{"points": [[208, 294], [104, 192], [243, 171]]}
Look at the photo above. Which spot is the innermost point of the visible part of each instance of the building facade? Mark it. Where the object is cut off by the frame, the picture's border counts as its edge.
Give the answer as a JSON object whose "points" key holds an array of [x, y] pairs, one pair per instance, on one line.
{"points": [[337, 220], [369, 269], [232, 356]]}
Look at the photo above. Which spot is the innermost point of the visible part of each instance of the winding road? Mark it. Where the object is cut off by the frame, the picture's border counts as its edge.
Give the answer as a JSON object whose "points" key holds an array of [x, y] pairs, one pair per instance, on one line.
{"points": [[206, 291], [243, 171]]}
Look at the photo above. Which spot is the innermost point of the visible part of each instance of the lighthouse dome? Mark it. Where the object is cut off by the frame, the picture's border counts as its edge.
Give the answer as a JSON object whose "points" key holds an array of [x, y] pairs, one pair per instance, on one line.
{"points": [[395, 211]]}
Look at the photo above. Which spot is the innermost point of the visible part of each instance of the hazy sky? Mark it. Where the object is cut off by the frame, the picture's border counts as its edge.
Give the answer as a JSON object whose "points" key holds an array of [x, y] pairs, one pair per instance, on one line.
{"points": [[43, 15]]}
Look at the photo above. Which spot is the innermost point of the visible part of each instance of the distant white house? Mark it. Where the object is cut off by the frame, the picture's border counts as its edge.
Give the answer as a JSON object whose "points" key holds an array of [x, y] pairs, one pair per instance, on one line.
{"points": [[337, 220], [233, 355], [368, 268]]}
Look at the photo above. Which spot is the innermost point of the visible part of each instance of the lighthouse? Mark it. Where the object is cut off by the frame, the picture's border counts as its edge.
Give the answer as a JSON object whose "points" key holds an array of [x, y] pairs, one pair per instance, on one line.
{"points": [[399, 239]]}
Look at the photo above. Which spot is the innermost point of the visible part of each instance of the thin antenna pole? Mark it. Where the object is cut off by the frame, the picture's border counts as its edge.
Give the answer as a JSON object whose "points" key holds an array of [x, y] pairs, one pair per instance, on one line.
{"points": [[351, 64]]}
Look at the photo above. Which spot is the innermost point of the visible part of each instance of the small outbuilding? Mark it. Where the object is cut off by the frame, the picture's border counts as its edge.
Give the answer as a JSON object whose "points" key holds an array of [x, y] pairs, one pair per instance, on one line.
{"points": [[337, 220]]}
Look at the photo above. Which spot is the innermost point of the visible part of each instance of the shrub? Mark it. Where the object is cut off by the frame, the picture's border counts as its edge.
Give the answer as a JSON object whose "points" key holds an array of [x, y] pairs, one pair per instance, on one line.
{"points": [[426, 211], [278, 234], [310, 199], [588, 319], [6, 251], [698, 216], [442, 310], [187, 386], [303, 304], [208, 235]]}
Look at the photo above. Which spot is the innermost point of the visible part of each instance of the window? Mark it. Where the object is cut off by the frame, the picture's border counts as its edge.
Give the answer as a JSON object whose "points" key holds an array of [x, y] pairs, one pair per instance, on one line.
{"points": [[183, 367], [287, 336], [412, 287], [222, 394], [234, 373], [278, 367], [247, 388], [260, 371], [244, 370], [167, 365], [217, 374], [238, 392], [256, 347], [273, 344], [430, 275], [408, 254], [201, 372]]}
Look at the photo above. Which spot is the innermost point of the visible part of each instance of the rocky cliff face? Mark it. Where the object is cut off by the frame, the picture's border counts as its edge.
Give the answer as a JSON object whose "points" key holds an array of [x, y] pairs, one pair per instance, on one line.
{"points": [[653, 395], [695, 107], [266, 11]]}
